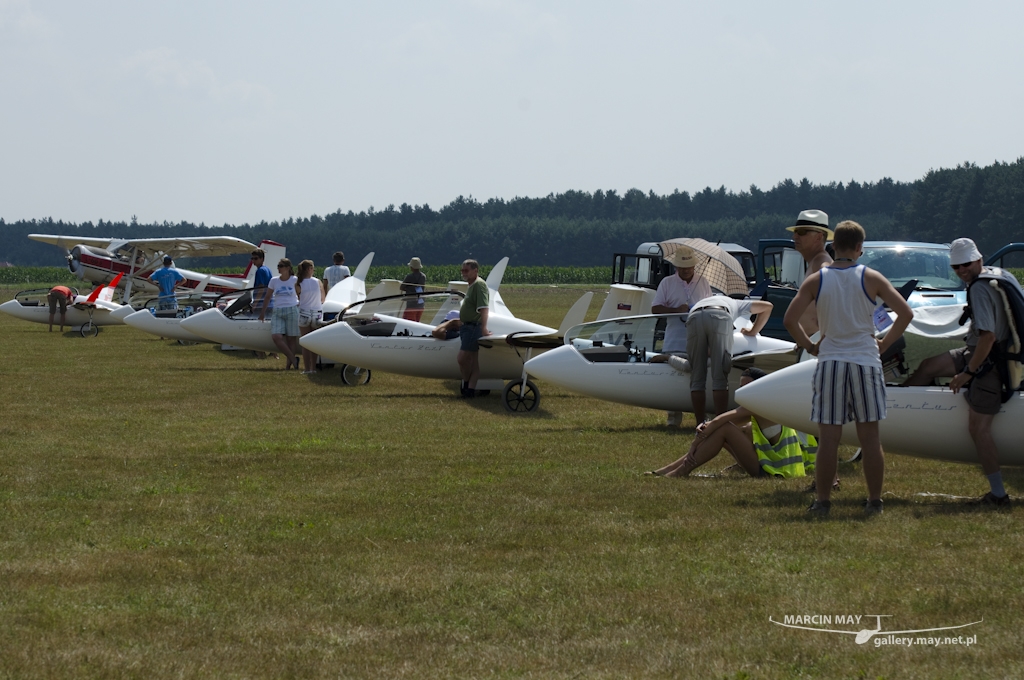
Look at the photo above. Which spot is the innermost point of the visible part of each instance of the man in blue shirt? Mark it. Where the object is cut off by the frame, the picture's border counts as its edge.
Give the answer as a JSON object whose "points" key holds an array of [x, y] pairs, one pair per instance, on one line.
{"points": [[261, 279], [167, 278]]}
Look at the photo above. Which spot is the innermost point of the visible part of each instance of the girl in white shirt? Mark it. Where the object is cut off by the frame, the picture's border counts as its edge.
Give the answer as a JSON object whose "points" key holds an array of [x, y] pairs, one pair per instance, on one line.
{"points": [[311, 309]]}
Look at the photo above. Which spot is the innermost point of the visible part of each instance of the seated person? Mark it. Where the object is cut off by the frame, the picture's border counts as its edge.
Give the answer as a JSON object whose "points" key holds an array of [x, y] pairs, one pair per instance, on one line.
{"points": [[761, 447], [449, 328]]}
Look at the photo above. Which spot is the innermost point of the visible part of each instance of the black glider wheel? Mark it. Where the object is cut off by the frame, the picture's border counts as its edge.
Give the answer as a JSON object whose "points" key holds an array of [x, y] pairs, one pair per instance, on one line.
{"points": [[520, 397], [354, 375]]}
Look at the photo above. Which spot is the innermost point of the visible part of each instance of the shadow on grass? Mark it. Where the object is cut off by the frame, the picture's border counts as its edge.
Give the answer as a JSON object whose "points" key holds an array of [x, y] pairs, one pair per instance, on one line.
{"points": [[636, 429], [799, 500]]}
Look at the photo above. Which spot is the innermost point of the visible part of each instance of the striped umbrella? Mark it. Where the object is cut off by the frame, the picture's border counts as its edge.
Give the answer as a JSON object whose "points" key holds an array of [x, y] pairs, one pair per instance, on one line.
{"points": [[720, 269]]}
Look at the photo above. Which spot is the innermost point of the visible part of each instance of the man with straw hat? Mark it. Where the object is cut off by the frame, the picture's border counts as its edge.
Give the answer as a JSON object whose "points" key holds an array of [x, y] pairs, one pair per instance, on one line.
{"points": [[413, 285], [810, 233], [676, 295]]}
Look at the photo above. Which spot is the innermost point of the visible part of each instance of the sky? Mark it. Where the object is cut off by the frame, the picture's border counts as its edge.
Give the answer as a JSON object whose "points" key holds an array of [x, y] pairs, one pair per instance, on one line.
{"points": [[227, 112]]}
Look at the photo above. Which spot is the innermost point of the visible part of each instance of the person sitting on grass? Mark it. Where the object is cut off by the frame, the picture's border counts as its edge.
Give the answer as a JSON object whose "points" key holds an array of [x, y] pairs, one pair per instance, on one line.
{"points": [[761, 447]]}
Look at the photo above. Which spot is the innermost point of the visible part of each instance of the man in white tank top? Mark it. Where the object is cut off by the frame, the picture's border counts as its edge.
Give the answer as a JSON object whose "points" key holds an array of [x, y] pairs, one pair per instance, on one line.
{"points": [[848, 383]]}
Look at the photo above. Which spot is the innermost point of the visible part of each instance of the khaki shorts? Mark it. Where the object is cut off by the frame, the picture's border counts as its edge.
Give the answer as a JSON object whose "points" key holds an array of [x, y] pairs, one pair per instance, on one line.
{"points": [[57, 299], [984, 393]]}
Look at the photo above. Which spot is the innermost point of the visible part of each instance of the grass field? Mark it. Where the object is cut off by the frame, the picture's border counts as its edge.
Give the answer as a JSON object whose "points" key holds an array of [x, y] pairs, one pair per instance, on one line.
{"points": [[184, 512]]}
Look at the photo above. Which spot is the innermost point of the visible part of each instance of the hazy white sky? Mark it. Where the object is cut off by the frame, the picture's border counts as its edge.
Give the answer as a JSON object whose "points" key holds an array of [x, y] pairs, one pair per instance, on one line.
{"points": [[239, 111]]}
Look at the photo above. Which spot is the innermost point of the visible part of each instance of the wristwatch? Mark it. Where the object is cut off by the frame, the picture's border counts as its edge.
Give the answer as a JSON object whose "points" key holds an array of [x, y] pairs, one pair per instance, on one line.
{"points": [[968, 371]]}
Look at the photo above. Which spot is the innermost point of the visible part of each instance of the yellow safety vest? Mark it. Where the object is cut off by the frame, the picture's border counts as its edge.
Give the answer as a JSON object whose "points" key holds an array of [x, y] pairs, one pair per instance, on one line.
{"points": [[793, 456]]}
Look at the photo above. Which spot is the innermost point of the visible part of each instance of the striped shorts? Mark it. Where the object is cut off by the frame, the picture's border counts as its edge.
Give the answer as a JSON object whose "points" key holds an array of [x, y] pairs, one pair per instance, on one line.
{"points": [[844, 391]]}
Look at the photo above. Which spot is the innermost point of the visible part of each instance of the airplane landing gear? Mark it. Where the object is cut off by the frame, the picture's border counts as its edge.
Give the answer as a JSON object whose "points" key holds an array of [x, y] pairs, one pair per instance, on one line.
{"points": [[354, 375], [89, 328], [520, 396]]}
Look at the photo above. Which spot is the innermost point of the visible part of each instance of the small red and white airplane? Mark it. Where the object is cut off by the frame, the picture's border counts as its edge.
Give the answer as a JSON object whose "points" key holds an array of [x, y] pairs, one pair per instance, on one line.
{"points": [[99, 260], [85, 313]]}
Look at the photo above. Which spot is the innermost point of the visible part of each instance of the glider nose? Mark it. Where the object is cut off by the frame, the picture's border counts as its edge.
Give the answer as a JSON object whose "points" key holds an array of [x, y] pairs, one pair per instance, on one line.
{"points": [[122, 313], [560, 366], [323, 339], [783, 396]]}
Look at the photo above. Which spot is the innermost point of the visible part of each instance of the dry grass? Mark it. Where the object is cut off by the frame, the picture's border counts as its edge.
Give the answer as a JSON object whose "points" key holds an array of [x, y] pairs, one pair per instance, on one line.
{"points": [[179, 511]]}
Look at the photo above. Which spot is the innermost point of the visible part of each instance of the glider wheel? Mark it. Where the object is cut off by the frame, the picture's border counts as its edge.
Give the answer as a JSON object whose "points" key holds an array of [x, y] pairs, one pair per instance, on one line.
{"points": [[89, 328], [354, 375], [520, 396]]}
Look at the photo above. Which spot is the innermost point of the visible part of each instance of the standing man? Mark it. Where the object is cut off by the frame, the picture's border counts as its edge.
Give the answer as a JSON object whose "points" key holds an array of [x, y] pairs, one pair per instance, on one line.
{"points": [[474, 326], [167, 279], [336, 273], [413, 285], [709, 334], [260, 281], [676, 294], [63, 296], [848, 382], [972, 367], [809, 236]]}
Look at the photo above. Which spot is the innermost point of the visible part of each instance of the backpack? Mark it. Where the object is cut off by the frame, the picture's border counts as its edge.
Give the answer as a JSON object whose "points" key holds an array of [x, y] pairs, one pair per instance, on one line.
{"points": [[1008, 356]]}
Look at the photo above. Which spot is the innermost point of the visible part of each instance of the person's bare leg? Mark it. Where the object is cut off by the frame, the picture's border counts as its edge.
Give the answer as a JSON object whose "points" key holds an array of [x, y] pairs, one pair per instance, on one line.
{"points": [[51, 323], [980, 427], [474, 370], [465, 365], [721, 398], [938, 366], [826, 462], [62, 315], [699, 409], [469, 367], [706, 449], [872, 457], [739, 444], [282, 344], [679, 461], [293, 345], [308, 359]]}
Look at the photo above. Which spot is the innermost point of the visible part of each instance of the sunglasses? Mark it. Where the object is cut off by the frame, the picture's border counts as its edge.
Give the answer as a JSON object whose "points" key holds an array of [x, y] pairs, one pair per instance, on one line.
{"points": [[956, 267], [804, 232]]}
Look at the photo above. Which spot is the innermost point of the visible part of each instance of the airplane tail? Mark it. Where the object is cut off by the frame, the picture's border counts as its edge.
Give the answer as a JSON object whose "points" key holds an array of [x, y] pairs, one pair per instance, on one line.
{"points": [[576, 315], [106, 293], [497, 274], [626, 300]]}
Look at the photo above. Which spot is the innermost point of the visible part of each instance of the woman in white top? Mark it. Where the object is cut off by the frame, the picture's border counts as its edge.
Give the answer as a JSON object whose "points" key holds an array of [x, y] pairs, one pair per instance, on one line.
{"points": [[311, 309], [284, 325]]}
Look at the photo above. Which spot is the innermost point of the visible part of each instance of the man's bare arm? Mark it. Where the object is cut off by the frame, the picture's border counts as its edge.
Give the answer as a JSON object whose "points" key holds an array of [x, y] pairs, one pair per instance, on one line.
{"points": [[804, 298]]}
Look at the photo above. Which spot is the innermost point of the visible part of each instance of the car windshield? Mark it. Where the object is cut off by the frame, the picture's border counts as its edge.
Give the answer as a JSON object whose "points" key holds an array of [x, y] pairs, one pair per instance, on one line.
{"points": [[899, 264]]}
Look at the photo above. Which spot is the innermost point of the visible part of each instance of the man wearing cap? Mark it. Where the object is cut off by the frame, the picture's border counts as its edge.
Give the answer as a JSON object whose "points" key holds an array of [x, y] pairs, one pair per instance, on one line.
{"points": [[63, 296], [413, 285], [809, 236], [167, 278], [972, 367], [676, 294]]}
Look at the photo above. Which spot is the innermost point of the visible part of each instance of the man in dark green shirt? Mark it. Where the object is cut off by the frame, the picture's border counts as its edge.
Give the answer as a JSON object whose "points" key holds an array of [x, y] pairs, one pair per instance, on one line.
{"points": [[474, 326]]}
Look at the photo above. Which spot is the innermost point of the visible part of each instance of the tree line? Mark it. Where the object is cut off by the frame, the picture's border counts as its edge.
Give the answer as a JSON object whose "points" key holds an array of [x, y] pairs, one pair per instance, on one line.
{"points": [[579, 228]]}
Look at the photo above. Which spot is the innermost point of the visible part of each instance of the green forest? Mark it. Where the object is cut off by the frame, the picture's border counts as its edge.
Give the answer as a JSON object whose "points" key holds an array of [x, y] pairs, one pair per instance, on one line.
{"points": [[584, 229]]}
